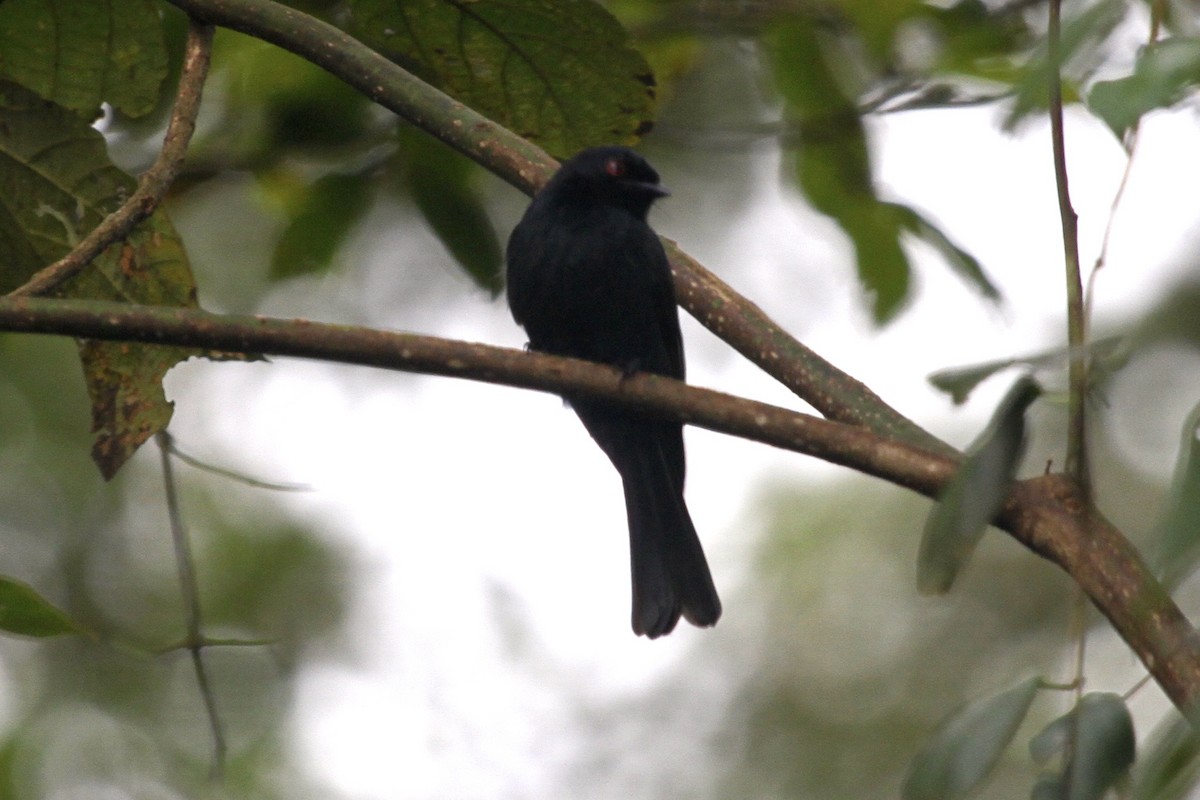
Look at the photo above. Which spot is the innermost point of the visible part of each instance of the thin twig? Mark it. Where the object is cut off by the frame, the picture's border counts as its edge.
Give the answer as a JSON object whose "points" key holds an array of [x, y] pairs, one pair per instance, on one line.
{"points": [[154, 183], [1128, 694], [1130, 144], [233, 475], [185, 566], [1076, 460]]}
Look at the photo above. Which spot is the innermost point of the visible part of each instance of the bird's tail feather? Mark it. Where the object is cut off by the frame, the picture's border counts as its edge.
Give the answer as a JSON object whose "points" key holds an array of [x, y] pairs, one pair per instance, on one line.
{"points": [[670, 573]]}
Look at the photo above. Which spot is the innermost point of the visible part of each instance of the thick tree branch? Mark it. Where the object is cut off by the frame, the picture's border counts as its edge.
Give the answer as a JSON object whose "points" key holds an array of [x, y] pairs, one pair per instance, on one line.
{"points": [[701, 293], [153, 185], [1053, 516], [1049, 514], [838, 443]]}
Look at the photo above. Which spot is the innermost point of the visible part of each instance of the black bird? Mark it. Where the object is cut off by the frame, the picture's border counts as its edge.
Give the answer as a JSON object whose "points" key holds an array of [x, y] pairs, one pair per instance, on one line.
{"points": [[588, 278]]}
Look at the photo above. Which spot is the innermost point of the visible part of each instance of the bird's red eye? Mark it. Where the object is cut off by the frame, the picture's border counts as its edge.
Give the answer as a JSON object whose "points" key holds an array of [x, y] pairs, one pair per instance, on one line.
{"points": [[614, 167]]}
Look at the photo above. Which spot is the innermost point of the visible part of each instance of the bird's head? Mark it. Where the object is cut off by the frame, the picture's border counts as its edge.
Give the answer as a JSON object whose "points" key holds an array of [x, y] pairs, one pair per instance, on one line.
{"points": [[615, 175]]}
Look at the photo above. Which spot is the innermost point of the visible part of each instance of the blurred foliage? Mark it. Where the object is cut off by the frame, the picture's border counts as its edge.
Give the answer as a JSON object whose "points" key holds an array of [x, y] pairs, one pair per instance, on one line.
{"points": [[1094, 743], [975, 494], [849, 670], [1164, 74], [1178, 531], [967, 747], [26, 613], [1169, 764], [102, 713]]}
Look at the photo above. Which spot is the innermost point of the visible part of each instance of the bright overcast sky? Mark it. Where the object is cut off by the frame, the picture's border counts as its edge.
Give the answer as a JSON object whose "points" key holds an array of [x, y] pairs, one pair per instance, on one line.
{"points": [[489, 522]]}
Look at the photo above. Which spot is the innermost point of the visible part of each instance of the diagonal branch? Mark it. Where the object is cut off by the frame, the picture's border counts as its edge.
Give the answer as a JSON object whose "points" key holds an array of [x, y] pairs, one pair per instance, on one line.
{"points": [[153, 185], [1050, 514]]}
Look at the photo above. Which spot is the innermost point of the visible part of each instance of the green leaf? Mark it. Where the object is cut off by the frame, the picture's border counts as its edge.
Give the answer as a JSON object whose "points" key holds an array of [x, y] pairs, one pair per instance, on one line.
{"points": [[976, 40], [959, 260], [1170, 762], [1178, 529], [975, 493], [1081, 35], [81, 53], [322, 218], [59, 184], [1105, 356], [26, 613], [562, 74], [289, 104], [1164, 74], [1098, 739], [832, 164], [442, 184], [961, 381], [967, 745]]}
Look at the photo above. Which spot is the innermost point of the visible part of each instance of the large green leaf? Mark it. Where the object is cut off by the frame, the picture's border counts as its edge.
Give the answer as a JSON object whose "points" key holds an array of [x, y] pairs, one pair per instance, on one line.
{"points": [[975, 493], [967, 746], [560, 73], [81, 53], [58, 184]]}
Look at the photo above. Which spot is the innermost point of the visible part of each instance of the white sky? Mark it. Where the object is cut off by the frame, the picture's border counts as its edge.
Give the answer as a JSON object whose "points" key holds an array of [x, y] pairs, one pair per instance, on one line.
{"points": [[493, 526]]}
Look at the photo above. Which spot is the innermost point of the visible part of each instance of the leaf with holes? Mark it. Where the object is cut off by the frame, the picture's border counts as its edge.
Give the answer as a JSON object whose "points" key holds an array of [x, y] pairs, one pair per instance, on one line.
{"points": [[58, 184]]}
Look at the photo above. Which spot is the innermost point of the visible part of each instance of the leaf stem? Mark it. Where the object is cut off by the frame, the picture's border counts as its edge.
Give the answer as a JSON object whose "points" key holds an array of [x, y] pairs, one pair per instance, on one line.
{"points": [[1076, 460], [1130, 145], [185, 567]]}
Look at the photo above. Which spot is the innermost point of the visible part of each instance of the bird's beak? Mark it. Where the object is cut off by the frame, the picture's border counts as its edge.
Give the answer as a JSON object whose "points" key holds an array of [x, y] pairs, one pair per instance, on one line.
{"points": [[658, 190]]}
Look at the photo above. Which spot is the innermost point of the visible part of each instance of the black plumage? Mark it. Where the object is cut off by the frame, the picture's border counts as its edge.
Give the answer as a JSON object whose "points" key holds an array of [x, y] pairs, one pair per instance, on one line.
{"points": [[588, 278]]}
